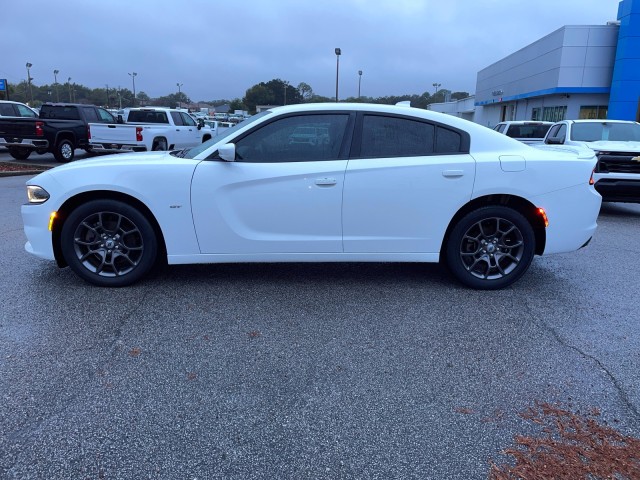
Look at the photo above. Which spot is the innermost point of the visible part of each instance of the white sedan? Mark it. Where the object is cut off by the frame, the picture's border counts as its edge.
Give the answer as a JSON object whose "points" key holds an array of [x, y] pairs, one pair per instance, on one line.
{"points": [[390, 184]]}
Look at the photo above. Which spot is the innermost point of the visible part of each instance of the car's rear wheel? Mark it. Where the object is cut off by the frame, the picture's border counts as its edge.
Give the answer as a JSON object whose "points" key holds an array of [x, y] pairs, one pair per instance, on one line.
{"points": [[490, 248], [19, 153], [64, 151], [109, 243]]}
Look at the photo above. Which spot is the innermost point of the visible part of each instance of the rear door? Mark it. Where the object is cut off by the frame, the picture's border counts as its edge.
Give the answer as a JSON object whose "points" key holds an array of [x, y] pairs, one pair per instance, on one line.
{"points": [[405, 180]]}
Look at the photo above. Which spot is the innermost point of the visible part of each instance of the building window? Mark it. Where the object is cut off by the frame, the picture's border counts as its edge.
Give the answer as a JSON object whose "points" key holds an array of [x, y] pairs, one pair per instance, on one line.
{"points": [[593, 112], [536, 113], [554, 114]]}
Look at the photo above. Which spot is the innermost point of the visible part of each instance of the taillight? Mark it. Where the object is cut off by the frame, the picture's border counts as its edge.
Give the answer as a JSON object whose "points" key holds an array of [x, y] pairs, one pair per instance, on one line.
{"points": [[543, 215], [89, 132], [138, 134], [591, 180], [39, 130]]}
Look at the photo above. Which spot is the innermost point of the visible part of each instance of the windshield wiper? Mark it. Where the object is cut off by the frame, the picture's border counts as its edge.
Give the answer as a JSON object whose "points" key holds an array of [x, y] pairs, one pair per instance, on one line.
{"points": [[181, 153]]}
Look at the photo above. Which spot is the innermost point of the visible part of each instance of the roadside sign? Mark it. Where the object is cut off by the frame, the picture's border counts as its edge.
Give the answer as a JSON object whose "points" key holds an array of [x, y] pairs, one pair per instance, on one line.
{"points": [[3, 84]]}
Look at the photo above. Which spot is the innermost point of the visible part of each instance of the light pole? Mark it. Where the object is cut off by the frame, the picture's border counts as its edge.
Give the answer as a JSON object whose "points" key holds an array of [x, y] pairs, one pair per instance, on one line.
{"points": [[179, 94], [108, 103], [359, 81], [436, 85], [133, 77], [338, 53], [286, 84], [29, 81], [69, 83], [55, 82]]}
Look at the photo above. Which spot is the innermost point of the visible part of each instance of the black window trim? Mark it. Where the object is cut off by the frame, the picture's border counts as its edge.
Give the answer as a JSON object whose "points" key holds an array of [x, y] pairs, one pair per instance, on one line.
{"points": [[465, 138]]}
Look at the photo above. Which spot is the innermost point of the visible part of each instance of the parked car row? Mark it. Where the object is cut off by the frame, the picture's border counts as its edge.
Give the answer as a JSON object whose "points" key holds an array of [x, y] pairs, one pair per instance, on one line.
{"points": [[62, 128]]}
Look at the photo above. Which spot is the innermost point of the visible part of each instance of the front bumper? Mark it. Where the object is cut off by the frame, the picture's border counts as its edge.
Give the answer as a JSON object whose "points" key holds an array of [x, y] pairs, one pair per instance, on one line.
{"points": [[619, 190]]}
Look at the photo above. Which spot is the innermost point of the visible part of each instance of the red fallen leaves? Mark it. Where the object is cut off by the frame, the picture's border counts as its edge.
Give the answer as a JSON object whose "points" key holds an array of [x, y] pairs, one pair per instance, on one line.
{"points": [[134, 352], [571, 447]]}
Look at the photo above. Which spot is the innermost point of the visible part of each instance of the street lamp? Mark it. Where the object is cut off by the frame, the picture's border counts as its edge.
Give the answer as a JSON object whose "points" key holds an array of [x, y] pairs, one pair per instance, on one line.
{"points": [[436, 85], [286, 84], [133, 77], [108, 103], [55, 82], [29, 81], [179, 94], [69, 84], [359, 81], [338, 53]]}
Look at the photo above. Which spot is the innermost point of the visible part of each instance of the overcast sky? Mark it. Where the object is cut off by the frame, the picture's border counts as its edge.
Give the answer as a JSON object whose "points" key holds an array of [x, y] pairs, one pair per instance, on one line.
{"points": [[218, 49]]}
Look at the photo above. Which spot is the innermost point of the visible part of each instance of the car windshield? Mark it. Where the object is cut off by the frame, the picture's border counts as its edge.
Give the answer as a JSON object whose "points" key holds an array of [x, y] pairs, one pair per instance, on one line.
{"points": [[611, 131], [193, 152]]}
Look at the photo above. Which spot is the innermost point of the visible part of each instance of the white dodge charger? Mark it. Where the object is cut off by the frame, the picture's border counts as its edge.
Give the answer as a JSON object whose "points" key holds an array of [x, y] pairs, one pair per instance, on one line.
{"points": [[381, 184]]}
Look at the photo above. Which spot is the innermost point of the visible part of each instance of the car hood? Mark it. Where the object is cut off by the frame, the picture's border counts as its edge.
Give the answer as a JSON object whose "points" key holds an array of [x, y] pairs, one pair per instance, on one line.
{"points": [[123, 161]]}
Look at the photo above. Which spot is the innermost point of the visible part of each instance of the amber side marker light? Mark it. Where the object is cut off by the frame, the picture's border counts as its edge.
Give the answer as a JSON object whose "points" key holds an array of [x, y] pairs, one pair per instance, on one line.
{"points": [[543, 214], [52, 218], [591, 180]]}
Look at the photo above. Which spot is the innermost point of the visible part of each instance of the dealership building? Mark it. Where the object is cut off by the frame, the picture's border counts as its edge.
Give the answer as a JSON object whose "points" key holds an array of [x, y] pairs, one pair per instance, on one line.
{"points": [[590, 71]]}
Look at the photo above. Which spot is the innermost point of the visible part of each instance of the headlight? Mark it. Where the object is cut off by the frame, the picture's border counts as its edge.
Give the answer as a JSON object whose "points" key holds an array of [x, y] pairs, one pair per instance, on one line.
{"points": [[37, 194]]}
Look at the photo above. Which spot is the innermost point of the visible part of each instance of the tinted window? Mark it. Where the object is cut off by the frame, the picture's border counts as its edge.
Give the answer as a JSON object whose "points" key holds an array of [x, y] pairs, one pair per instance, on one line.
{"points": [[395, 137], [448, 141], [553, 132], [60, 112], [6, 110], [303, 138], [90, 114], [145, 116], [177, 119], [527, 131], [594, 131]]}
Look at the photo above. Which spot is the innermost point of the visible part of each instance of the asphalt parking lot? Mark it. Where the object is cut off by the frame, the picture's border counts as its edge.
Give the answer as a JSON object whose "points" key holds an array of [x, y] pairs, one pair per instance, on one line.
{"points": [[306, 370]]}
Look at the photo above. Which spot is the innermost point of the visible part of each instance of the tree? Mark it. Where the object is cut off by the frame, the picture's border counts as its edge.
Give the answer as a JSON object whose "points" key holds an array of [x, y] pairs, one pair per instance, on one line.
{"points": [[236, 104], [459, 95], [258, 95], [305, 91], [143, 98]]}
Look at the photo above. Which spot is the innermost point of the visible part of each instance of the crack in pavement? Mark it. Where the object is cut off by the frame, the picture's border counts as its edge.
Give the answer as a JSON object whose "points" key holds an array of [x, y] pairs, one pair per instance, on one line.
{"points": [[626, 401]]}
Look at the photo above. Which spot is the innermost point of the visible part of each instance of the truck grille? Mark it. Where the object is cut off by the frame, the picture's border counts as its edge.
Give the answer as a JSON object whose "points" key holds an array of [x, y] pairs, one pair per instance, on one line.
{"points": [[618, 162]]}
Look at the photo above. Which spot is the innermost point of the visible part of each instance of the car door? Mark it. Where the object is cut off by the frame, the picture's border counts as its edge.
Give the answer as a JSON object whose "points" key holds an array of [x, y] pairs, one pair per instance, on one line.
{"points": [[405, 180], [278, 196], [193, 136]]}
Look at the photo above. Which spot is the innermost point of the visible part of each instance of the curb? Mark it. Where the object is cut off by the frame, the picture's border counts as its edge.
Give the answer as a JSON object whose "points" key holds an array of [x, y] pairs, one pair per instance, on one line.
{"points": [[23, 172]]}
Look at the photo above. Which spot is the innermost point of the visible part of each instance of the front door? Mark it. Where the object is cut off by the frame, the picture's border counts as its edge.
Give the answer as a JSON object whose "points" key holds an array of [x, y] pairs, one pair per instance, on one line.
{"points": [[283, 194]]}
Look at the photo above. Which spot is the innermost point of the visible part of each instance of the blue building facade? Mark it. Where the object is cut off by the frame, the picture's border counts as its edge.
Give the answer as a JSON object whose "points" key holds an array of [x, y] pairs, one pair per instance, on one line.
{"points": [[624, 100]]}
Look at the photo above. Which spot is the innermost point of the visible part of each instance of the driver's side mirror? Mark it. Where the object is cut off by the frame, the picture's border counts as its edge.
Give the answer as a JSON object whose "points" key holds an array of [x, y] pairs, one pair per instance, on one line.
{"points": [[119, 119], [227, 152], [200, 123], [555, 140]]}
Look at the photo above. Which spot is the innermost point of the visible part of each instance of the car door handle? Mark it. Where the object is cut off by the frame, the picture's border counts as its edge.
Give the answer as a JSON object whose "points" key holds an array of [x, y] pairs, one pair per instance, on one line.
{"points": [[453, 173], [326, 182]]}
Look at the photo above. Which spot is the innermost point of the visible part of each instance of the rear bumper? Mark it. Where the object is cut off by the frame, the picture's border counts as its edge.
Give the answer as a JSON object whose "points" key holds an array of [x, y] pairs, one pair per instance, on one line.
{"points": [[115, 148], [24, 143]]}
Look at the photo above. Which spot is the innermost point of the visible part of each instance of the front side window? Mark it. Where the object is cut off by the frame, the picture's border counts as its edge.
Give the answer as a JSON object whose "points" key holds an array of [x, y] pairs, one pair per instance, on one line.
{"points": [[105, 116], [302, 138], [25, 111], [187, 120]]}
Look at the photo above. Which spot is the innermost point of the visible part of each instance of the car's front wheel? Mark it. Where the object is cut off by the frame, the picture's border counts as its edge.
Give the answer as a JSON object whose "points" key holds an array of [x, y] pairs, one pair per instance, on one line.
{"points": [[490, 248], [109, 243]]}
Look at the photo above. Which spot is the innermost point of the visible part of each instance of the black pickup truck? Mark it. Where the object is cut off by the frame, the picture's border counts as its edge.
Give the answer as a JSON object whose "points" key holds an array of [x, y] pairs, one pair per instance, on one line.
{"points": [[60, 129]]}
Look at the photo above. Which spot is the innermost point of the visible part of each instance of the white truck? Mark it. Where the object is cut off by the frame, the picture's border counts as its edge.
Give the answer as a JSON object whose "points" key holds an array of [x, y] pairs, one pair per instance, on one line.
{"points": [[149, 129], [616, 144]]}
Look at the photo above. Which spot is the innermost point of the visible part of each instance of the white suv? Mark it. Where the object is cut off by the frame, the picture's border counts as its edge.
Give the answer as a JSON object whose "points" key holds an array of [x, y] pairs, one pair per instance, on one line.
{"points": [[16, 109]]}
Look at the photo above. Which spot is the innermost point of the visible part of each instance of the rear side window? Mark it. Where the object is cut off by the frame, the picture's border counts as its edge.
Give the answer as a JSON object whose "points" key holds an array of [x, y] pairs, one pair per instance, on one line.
{"points": [[527, 131], [384, 136], [90, 115], [6, 110], [448, 141], [177, 118], [60, 112]]}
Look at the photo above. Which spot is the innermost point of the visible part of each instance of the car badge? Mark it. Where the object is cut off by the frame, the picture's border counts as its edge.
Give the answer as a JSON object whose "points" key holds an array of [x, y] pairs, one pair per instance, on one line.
{"points": [[636, 159]]}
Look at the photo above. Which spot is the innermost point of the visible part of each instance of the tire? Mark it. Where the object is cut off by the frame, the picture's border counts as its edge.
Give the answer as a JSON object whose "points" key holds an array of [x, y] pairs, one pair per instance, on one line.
{"points": [[64, 151], [19, 153], [490, 248], [109, 243], [160, 145]]}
